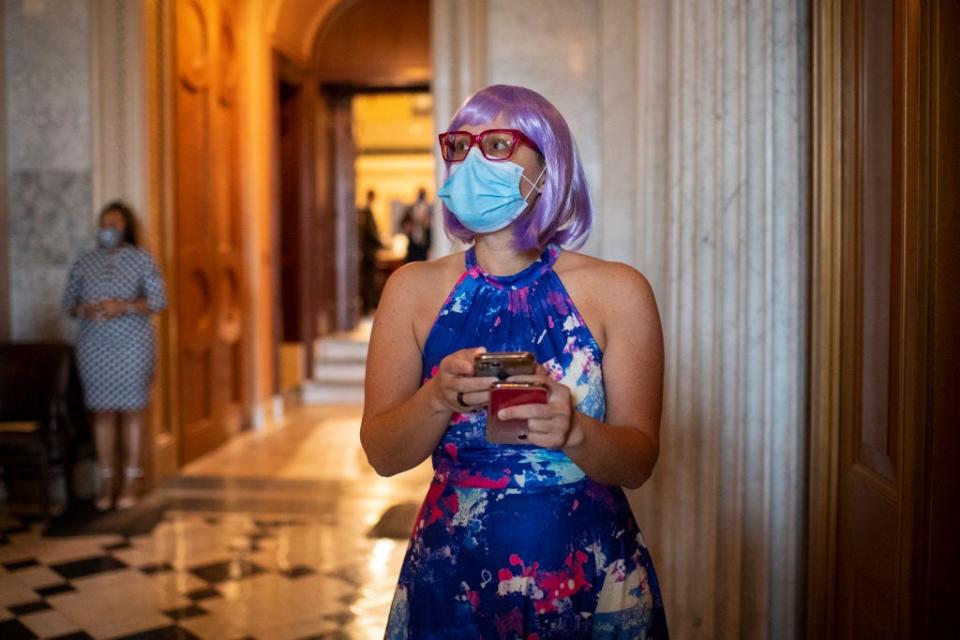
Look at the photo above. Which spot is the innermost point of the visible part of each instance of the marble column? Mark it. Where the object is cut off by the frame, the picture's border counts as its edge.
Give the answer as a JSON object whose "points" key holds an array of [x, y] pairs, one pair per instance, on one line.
{"points": [[119, 123], [458, 44], [691, 118], [48, 156], [721, 231]]}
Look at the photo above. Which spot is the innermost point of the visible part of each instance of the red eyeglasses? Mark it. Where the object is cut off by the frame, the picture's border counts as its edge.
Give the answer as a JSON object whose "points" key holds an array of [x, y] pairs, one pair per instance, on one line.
{"points": [[495, 144]]}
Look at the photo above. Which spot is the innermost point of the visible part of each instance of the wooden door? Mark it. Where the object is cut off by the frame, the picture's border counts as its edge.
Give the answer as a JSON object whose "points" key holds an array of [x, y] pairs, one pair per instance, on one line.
{"points": [[296, 215], [935, 588], [304, 242], [325, 242], [293, 317], [884, 407], [879, 321], [342, 155], [208, 234]]}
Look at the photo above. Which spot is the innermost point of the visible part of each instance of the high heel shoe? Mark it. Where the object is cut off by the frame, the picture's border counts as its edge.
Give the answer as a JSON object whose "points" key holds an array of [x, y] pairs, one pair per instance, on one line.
{"points": [[106, 490], [131, 487]]}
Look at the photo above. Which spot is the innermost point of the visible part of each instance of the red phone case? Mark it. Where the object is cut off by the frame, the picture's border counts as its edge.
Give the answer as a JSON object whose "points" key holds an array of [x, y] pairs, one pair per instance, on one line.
{"points": [[503, 395]]}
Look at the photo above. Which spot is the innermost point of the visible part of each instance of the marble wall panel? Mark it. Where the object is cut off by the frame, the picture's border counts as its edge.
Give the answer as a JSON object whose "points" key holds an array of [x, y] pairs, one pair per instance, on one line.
{"points": [[48, 156], [50, 226], [53, 221], [553, 49], [37, 291], [47, 76]]}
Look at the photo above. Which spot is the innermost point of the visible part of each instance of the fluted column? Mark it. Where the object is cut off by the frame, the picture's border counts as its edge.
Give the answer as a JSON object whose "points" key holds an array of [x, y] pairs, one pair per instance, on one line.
{"points": [[721, 232], [458, 39], [119, 105]]}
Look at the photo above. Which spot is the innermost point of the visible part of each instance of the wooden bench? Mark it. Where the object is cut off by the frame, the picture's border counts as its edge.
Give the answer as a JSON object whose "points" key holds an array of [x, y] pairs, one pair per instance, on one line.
{"points": [[42, 421]]}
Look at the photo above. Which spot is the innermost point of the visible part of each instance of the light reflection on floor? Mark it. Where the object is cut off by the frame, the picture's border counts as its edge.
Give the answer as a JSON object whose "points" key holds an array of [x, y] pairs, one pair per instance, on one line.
{"points": [[267, 538]]}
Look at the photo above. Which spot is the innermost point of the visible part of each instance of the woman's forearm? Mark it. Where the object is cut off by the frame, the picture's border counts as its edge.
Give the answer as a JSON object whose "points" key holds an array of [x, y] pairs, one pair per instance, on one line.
{"points": [[403, 437], [613, 455], [138, 305]]}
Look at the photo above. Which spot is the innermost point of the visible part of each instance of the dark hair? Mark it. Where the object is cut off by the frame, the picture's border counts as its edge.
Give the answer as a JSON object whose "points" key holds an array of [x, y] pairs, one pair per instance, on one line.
{"points": [[129, 220]]}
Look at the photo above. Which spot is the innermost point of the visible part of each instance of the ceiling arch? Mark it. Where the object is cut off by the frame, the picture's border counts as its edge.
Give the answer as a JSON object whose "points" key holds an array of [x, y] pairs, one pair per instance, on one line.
{"points": [[359, 42], [292, 25]]}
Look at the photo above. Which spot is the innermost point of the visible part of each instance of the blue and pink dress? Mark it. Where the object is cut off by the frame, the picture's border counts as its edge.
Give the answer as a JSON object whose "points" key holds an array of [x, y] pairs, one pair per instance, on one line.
{"points": [[513, 541]]}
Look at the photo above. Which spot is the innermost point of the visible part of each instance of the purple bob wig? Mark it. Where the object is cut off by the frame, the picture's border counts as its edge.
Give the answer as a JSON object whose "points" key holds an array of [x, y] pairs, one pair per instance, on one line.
{"points": [[563, 213]]}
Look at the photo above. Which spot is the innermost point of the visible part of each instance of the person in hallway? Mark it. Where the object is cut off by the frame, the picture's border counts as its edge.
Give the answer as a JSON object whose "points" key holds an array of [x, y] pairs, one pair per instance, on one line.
{"points": [[416, 225], [113, 290], [533, 539], [370, 243]]}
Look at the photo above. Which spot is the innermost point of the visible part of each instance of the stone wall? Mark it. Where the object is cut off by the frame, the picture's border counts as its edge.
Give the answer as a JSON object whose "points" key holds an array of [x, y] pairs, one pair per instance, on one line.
{"points": [[48, 157]]}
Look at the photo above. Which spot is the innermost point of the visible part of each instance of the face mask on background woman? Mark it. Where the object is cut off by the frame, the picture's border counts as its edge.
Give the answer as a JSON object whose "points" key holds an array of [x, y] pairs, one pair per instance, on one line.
{"points": [[108, 237]]}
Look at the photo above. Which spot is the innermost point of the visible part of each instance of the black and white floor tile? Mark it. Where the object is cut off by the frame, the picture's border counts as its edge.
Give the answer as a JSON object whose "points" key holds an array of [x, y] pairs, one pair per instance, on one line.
{"points": [[198, 576], [265, 539]]}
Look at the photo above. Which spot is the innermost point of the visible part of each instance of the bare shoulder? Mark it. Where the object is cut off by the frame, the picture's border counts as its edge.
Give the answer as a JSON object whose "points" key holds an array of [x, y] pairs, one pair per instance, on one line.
{"points": [[612, 297], [417, 290], [605, 283], [421, 278]]}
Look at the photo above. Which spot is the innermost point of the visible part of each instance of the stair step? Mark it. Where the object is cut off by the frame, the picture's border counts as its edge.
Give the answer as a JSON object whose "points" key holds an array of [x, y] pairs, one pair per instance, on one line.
{"points": [[315, 392], [342, 349], [339, 372], [339, 367]]}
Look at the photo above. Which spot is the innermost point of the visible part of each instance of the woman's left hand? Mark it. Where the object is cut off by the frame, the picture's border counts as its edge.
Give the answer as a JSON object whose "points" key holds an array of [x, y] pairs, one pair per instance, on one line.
{"points": [[552, 425]]}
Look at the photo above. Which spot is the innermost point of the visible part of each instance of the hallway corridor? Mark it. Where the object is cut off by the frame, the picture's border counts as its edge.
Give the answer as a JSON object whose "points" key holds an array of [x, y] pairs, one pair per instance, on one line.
{"points": [[266, 537]]}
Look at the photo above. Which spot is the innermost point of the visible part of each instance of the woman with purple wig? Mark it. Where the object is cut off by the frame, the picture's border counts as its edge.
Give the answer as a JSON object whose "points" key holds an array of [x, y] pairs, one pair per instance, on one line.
{"points": [[532, 540]]}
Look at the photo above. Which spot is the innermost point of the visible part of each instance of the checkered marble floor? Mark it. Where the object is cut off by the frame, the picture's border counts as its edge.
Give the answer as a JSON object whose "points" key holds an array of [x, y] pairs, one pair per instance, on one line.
{"points": [[277, 552]]}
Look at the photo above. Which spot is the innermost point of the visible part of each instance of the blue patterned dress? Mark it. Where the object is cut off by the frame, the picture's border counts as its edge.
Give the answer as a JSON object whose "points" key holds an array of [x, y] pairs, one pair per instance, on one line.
{"points": [[515, 541], [116, 357]]}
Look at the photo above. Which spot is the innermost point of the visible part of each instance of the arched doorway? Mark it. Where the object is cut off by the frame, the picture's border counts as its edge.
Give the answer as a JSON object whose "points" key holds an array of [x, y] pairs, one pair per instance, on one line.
{"points": [[253, 177], [359, 47]]}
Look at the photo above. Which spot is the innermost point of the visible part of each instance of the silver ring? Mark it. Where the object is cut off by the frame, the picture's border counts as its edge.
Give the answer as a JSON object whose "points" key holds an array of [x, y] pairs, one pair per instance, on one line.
{"points": [[460, 400]]}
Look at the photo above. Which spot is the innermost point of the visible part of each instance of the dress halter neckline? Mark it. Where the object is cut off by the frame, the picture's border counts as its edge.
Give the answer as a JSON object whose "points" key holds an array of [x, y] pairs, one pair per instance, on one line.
{"points": [[527, 275]]}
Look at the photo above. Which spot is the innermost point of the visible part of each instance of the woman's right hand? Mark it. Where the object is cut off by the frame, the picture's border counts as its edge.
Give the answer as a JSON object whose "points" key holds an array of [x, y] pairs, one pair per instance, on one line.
{"points": [[94, 311], [455, 375], [105, 309]]}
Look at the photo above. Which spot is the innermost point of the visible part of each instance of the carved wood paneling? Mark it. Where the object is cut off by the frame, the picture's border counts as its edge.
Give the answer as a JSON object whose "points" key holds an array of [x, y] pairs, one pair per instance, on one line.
{"points": [[208, 235], [934, 585], [870, 409], [883, 469], [873, 217]]}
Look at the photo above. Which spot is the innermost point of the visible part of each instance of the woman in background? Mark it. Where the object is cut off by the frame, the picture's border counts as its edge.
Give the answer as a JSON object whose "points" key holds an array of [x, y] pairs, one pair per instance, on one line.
{"points": [[113, 290]]}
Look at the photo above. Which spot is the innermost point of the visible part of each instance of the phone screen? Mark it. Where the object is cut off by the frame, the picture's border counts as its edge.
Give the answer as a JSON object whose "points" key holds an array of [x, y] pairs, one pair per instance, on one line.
{"points": [[503, 364]]}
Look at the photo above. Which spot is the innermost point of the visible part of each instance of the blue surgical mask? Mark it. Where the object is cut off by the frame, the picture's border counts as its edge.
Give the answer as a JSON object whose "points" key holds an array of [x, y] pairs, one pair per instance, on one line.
{"points": [[108, 237], [484, 194]]}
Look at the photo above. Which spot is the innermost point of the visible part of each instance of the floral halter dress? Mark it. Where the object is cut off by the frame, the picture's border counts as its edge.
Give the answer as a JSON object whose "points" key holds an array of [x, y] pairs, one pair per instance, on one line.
{"points": [[514, 541]]}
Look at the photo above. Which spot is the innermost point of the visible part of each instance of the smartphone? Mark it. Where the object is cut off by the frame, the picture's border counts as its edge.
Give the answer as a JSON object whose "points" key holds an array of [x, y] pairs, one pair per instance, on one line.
{"points": [[510, 394], [503, 364]]}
